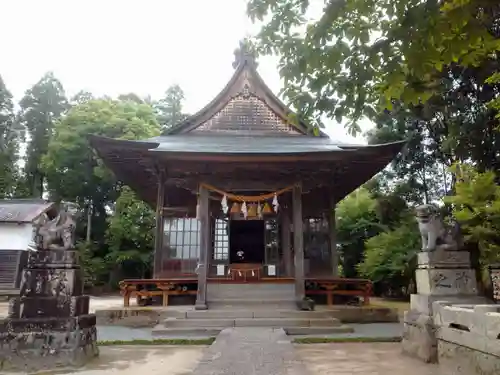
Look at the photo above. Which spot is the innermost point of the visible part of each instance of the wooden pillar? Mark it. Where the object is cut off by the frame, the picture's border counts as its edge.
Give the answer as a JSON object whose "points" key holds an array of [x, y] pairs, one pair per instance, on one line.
{"points": [[203, 217], [285, 242], [160, 202], [298, 242], [332, 231]]}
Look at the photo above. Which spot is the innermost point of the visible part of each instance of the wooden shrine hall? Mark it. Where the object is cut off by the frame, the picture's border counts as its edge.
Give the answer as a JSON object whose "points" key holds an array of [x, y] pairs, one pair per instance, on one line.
{"points": [[242, 194]]}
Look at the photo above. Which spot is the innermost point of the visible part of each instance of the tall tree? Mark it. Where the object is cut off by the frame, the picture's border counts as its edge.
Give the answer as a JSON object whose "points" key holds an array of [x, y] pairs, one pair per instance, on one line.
{"points": [[359, 54], [72, 169], [41, 106], [169, 108], [9, 143]]}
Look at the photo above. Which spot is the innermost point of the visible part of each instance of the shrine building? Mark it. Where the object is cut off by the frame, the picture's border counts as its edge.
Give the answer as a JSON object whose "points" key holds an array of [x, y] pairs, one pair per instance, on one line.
{"points": [[243, 194]]}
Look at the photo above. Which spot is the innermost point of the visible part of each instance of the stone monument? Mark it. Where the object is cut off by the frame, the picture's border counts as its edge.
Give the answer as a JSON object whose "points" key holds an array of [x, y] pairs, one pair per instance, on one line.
{"points": [[49, 325], [443, 273]]}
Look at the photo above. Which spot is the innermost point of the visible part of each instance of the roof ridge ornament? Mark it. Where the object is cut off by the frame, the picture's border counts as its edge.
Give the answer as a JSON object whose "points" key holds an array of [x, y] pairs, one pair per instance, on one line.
{"points": [[245, 53]]}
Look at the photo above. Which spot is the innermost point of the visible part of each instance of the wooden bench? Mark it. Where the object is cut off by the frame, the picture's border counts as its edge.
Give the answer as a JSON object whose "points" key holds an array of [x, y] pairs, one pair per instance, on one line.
{"points": [[144, 289], [339, 287]]}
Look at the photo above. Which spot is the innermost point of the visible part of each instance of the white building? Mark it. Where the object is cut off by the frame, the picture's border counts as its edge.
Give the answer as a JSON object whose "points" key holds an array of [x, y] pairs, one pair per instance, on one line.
{"points": [[16, 233]]}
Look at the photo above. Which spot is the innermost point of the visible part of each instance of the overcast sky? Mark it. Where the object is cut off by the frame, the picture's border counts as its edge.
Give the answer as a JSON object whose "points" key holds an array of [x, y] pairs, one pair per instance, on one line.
{"points": [[115, 47]]}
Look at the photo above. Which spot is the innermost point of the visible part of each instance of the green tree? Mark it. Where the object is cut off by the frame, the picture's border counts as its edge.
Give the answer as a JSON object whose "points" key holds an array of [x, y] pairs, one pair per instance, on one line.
{"points": [[73, 170], [356, 221], [169, 108], [130, 235], [41, 107], [389, 259], [359, 55], [9, 144], [476, 206]]}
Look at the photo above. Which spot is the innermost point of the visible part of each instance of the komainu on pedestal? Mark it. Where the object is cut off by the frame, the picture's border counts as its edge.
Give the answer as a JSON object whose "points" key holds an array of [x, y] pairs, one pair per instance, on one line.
{"points": [[49, 325], [443, 274]]}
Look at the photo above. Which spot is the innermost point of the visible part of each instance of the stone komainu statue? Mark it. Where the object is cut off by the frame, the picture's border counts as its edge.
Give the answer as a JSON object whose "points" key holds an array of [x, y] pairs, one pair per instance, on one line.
{"points": [[434, 232], [58, 233]]}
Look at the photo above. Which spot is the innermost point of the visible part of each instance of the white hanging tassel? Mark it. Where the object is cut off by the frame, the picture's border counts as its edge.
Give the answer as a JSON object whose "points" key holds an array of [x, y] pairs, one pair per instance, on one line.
{"points": [[259, 210], [244, 209], [275, 203], [239, 273], [224, 205], [253, 273]]}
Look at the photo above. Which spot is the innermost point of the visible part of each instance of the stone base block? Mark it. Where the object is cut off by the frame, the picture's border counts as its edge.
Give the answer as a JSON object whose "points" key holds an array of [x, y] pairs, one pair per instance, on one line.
{"points": [[460, 360], [51, 282], [419, 337], [444, 259], [14, 326], [423, 303], [47, 351], [53, 259], [59, 307], [446, 282]]}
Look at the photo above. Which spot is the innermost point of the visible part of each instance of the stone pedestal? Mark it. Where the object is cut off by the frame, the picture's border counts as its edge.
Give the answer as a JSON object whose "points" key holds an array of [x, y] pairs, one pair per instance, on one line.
{"points": [[49, 325], [441, 276]]}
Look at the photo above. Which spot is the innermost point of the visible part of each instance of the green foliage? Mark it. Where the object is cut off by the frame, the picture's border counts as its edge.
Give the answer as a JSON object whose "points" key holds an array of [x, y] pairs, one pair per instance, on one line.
{"points": [[356, 56], [130, 233], [41, 107], [207, 341], [95, 270], [169, 108], [9, 143], [390, 256], [73, 171], [356, 221], [476, 206]]}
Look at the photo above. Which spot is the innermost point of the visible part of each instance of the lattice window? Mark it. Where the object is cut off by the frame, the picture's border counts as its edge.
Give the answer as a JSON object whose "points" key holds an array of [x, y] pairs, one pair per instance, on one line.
{"points": [[181, 238], [273, 246], [221, 240], [317, 245]]}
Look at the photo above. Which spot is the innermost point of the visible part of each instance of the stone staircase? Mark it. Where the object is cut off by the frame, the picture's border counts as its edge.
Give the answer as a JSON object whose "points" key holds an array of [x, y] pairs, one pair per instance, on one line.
{"points": [[250, 305], [240, 296]]}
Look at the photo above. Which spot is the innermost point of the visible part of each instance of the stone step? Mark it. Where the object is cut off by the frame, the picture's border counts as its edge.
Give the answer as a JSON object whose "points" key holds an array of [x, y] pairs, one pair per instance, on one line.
{"points": [[161, 330], [244, 303], [251, 322], [257, 313]]}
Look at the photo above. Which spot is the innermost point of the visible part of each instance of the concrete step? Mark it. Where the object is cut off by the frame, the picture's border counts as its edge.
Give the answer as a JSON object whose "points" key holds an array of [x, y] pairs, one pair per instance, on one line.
{"points": [[251, 322], [161, 330], [252, 303], [257, 313]]}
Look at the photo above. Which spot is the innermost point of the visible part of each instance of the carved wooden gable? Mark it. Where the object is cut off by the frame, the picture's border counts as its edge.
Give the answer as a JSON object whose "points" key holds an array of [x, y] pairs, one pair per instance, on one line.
{"points": [[246, 113], [245, 110]]}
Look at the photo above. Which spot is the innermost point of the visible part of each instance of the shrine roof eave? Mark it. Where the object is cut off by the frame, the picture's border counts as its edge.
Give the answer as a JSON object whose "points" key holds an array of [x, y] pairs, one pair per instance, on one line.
{"points": [[134, 163], [180, 146]]}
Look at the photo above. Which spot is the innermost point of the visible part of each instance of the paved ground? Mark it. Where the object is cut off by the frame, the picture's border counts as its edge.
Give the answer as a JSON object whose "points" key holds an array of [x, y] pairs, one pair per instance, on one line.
{"points": [[251, 351], [361, 359], [140, 360]]}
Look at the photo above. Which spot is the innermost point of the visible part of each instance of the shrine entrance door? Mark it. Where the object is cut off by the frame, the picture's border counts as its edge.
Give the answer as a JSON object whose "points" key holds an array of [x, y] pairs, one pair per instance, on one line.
{"points": [[246, 241]]}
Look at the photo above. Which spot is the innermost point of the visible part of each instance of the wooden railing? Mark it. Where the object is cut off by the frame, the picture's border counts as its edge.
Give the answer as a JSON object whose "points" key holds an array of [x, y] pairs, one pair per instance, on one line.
{"points": [[144, 290], [339, 287]]}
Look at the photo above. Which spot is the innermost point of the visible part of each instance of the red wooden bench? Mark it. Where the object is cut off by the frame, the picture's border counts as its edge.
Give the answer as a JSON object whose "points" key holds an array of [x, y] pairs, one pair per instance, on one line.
{"points": [[339, 287], [145, 289]]}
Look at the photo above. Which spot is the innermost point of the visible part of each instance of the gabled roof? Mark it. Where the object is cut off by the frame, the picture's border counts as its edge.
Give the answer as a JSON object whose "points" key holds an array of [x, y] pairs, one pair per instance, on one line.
{"points": [[246, 106], [23, 210]]}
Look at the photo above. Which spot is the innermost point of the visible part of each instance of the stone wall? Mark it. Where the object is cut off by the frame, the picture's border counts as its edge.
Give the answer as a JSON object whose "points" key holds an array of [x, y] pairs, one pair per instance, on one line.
{"points": [[468, 338]]}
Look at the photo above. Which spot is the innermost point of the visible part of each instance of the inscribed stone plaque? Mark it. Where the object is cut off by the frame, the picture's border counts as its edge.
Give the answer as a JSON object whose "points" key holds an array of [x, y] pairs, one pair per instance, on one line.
{"points": [[446, 281], [444, 259]]}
